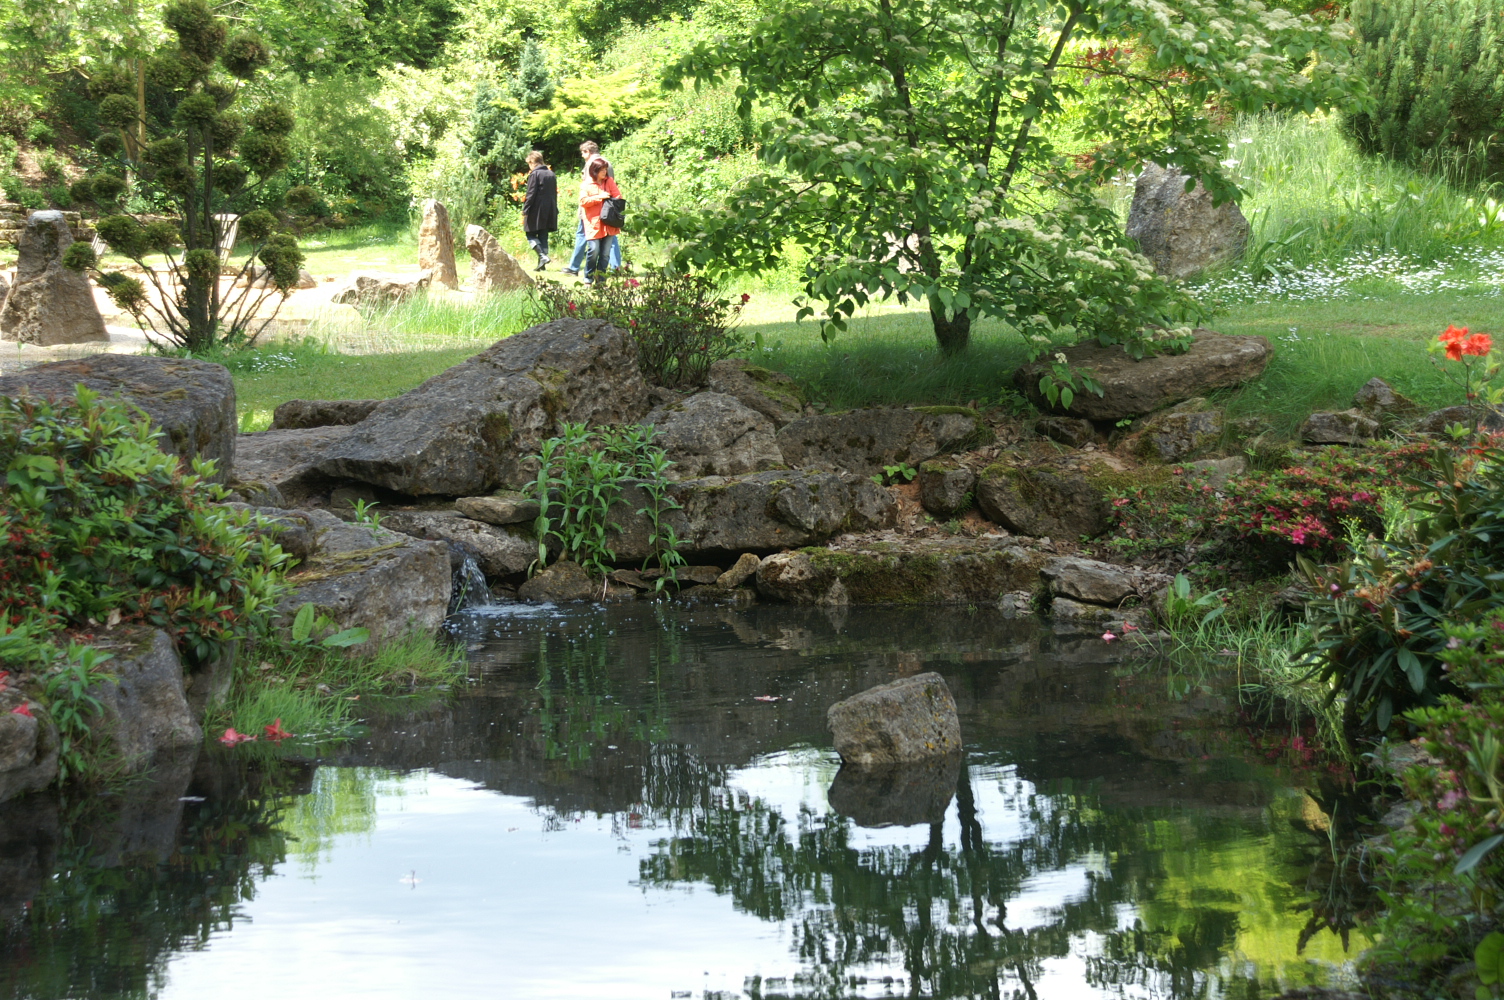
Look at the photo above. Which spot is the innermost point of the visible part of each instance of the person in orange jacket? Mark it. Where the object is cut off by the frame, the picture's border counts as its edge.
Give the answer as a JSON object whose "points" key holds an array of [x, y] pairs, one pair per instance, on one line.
{"points": [[593, 193]]}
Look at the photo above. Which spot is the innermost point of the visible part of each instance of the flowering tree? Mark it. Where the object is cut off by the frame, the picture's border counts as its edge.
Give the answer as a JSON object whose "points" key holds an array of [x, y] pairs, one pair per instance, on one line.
{"points": [[913, 155]]}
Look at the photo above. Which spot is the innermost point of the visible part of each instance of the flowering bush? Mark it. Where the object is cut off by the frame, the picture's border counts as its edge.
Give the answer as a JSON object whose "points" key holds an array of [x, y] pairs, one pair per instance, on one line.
{"points": [[1456, 344], [681, 323], [101, 525]]}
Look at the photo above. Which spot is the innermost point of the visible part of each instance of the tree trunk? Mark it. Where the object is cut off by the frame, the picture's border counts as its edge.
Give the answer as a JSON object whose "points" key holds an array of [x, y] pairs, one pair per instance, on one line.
{"points": [[953, 333]]}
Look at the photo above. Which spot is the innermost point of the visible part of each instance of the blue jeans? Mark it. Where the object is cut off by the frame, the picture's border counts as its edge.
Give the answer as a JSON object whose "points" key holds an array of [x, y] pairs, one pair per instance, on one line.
{"points": [[577, 259]]}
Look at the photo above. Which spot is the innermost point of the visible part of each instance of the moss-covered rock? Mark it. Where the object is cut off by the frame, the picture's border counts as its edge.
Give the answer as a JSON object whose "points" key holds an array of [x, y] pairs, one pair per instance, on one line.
{"points": [[1043, 501], [951, 571], [864, 441]]}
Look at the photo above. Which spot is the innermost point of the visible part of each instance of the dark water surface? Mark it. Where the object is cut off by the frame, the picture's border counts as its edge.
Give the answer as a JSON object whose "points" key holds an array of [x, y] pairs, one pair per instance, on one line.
{"points": [[615, 809]]}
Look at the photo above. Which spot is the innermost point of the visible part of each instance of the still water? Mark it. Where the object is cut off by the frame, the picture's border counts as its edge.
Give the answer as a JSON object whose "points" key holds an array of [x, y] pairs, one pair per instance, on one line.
{"points": [[640, 802]]}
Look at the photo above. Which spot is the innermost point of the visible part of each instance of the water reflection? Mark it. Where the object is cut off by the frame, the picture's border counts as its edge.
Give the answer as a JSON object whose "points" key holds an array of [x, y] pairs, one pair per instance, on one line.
{"points": [[615, 810]]}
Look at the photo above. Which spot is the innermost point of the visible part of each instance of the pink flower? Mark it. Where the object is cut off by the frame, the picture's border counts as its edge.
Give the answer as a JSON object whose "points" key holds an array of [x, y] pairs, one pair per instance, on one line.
{"points": [[232, 738], [1108, 637], [275, 732], [633, 282], [22, 709]]}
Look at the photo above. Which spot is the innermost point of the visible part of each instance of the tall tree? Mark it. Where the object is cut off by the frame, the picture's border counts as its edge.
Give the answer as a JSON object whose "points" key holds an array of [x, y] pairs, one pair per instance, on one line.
{"points": [[913, 157]]}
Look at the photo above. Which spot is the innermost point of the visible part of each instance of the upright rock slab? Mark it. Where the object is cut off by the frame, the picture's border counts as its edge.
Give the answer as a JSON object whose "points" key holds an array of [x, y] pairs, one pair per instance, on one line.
{"points": [[908, 719], [863, 441], [1180, 231], [712, 434], [1133, 388], [191, 402], [49, 304], [436, 245], [468, 430], [492, 269]]}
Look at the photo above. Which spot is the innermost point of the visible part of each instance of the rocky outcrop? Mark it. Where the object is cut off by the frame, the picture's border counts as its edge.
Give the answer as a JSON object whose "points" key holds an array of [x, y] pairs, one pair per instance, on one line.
{"points": [[908, 719], [863, 441], [1180, 231], [713, 434], [362, 576], [1043, 501], [436, 245], [470, 429], [49, 304], [506, 508], [1437, 421], [146, 713], [28, 745], [1133, 388], [761, 512], [191, 402], [297, 414], [773, 394], [285, 461], [1344, 427], [945, 489], [908, 794], [933, 571], [379, 290], [561, 582], [497, 551], [492, 269]]}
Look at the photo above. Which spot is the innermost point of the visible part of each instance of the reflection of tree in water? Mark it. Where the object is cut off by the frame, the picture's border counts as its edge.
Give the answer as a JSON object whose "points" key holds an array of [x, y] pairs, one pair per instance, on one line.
{"points": [[940, 911]]}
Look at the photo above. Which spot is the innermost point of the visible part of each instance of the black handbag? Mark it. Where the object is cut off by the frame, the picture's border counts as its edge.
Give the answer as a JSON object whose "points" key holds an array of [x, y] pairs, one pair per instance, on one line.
{"points": [[614, 212]]}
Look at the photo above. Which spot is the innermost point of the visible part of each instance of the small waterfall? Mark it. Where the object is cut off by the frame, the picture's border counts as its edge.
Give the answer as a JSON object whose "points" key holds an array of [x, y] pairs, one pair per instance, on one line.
{"points": [[469, 587]]}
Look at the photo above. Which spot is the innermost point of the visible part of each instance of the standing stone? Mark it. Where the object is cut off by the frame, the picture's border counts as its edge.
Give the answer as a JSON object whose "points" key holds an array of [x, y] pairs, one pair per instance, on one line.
{"points": [[492, 269], [436, 245], [1180, 231], [49, 304], [907, 719]]}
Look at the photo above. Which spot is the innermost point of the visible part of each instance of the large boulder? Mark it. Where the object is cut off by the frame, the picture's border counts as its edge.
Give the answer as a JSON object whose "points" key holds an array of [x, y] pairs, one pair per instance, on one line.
{"points": [[1178, 433], [286, 460], [436, 245], [1043, 501], [1132, 388], [1180, 231], [191, 402], [712, 434], [364, 576], [863, 441], [296, 414], [49, 304], [28, 745], [947, 571], [146, 713], [470, 429], [773, 394], [492, 269], [497, 551], [908, 719]]}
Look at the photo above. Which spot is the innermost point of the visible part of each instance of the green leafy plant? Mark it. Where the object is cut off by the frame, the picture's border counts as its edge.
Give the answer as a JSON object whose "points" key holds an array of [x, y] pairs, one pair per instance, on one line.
{"points": [[1185, 610], [209, 163], [680, 322], [902, 472], [365, 515], [309, 623], [73, 708]]}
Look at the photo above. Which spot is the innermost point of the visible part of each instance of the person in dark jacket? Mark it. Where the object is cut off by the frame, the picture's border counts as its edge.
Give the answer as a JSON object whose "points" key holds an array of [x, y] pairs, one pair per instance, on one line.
{"points": [[540, 206]]}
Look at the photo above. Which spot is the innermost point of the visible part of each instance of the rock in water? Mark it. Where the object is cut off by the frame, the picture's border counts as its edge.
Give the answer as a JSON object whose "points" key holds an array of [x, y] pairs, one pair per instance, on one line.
{"points": [[468, 430], [1087, 580], [496, 551], [907, 719], [49, 304], [882, 795], [492, 269], [28, 746], [191, 402], [1180, 231], [711, 434], [436, 245], [863, 441], [145, 707], [1133, 388], [563, 581]]}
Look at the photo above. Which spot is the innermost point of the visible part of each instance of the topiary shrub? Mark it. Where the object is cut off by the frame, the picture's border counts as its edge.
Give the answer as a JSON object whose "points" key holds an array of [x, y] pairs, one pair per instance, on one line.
{"points": [[100, 526], [1436, 75]]}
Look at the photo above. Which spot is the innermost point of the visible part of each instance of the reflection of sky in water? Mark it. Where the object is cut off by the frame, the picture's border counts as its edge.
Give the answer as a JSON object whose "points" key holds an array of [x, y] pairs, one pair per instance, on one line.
{"points": [[453, 891]]}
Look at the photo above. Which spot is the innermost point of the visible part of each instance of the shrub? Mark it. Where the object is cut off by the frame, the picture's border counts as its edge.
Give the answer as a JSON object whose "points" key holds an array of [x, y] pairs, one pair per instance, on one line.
{"points": [[1436, 73], [1379, 620], [100, 524], [680, 322]]}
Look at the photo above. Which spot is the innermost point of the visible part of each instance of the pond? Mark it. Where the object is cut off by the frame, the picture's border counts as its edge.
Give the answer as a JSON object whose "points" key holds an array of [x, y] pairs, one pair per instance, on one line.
{"points": [[636, 801]]}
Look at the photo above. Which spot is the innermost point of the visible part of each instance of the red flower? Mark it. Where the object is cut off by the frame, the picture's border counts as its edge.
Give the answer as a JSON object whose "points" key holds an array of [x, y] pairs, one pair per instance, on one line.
{"points": [[1454, 338], [633, 282], [746, 298], [1478, 344], [22, 709], [570, 307], [232, 738], [276, 732]]}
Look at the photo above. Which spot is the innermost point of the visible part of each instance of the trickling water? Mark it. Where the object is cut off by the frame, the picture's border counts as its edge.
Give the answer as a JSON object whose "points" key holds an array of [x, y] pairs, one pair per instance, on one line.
{"points": [[469, 587]]}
